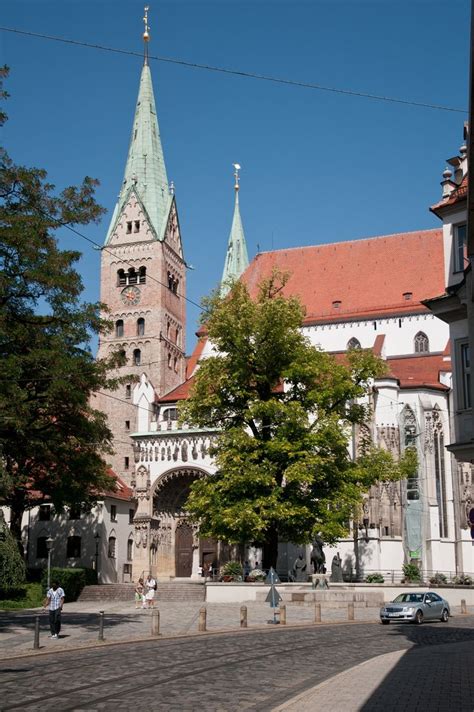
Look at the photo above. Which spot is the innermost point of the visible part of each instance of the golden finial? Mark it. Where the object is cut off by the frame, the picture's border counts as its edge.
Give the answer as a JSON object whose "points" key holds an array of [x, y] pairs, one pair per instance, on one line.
{"points": [[236, 176], [146, 34]]}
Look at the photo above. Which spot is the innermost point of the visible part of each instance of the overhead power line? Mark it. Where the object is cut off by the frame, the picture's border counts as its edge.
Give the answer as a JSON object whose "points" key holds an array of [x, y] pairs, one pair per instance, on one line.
{"points": [[239, 73]]}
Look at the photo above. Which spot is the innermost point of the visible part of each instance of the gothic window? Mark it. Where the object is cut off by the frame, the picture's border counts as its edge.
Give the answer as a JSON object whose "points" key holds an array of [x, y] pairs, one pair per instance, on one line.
{"points": [[142, 275], [132, 276], [440, 474], [168, 330], [137, 357], [129, 227], [73, 547], [111, 547], [119, 328], [113, 513], [130, 549], [140, 327], [422, 344], [128, 391], [175, 364], [353, 344], [126, 463], [411, 433], [121, 278], [170, 281], [176, 340], [136, 226], [169, 360], [41, 548]]}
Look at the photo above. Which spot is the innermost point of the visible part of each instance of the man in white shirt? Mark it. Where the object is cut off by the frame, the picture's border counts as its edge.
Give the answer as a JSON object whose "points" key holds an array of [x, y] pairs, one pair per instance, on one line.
{"points": [[150, 585], [54, 601]]}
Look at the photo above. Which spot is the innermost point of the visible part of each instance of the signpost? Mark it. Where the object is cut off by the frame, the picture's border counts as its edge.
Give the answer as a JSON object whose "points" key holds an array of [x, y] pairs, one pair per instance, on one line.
{"points": [[273, 597]]}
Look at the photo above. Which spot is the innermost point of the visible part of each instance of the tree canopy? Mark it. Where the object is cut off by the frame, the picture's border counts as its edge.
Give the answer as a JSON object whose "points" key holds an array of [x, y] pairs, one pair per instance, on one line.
{"points": [[284, 412], [52, 441]]}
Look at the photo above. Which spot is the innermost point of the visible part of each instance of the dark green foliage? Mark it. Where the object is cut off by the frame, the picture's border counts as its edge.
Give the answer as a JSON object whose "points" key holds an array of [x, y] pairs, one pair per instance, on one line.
{"points": [[411, 573], [374, 578], [12, 567], [71, 580]]}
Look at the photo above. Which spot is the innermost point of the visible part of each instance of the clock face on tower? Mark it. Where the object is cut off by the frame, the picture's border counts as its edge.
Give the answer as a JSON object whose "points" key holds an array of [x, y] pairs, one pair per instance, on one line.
{"points": [[130, 295]]}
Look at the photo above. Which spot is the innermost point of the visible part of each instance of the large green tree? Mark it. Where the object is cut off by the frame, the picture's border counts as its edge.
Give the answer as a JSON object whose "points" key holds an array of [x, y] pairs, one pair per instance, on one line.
{"points": [[285, 412], [52, 441]]}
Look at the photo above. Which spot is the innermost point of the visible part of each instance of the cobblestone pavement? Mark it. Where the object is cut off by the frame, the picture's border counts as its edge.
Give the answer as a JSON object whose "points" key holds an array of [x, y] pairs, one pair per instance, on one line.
{"points": [[256, 670]]}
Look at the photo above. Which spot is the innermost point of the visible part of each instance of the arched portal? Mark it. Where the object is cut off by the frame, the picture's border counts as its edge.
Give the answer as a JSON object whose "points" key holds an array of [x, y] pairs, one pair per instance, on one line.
{"points": [[176, 540]]}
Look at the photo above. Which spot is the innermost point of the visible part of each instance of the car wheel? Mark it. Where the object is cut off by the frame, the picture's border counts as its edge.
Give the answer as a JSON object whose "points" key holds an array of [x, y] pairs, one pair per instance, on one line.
{"points": [[445, 615], [419, 617], [385, 622]]}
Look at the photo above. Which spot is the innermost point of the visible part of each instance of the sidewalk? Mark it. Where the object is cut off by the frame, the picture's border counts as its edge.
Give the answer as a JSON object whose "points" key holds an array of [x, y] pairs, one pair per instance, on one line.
{"points": [[439, 678]]}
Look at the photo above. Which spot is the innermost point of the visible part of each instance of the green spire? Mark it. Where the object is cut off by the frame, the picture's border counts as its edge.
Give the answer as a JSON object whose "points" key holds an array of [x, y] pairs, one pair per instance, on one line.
{"points": [[236, 260], [145, 172]]}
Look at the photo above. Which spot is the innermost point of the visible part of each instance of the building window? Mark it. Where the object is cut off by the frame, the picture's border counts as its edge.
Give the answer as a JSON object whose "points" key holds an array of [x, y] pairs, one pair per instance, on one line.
{"points": [[142, 275], [128, 391], [41, 548], [75, 512], [353, 344], [121, 278], [176, 339], [131, 514], [111, 547], [73, 547], [374, 325], [132, 276], [44, 513], [422, 344], [459, 251], [440, 474], [119, 328], [170, 414], [136, 226], [113, 513], [173, 283], [465, 373], [126, 463], [407, 296], [129, 549], [336, 304], [169, 360], [127, 425], [140, 327], [129, 227], [137, 357], [175, 364]]}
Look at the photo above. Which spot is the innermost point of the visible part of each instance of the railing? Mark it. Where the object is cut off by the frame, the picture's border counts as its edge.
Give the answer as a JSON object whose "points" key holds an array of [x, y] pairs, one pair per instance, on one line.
{"points": [[396, 576]]}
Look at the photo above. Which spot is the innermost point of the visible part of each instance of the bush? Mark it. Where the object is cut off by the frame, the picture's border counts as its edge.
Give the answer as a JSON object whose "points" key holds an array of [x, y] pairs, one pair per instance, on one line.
{"points": [[13, 594], [31, 597], [91, 577], [71, 580], [462, 580], [438, 579], [256, 575], [374, 578], [411, 573], [12, 566], [232, 571]]}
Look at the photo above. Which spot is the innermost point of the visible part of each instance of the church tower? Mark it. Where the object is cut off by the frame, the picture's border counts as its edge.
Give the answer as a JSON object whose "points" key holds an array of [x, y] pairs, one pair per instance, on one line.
{"points": [[143, 277], [236, 260]]}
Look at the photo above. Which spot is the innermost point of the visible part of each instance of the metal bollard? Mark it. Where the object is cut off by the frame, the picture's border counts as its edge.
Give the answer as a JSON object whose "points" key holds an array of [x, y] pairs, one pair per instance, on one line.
{"points": [[36, 642], [243, 616], [350, 611], [155, 623], [283, 615], [101, 625], [202, 620], [463, 605], [317, 613]]}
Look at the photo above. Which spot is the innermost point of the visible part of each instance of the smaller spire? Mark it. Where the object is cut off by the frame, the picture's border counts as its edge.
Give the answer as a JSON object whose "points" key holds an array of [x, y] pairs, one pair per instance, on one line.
{"points": [[236, 260], [146, 36]]}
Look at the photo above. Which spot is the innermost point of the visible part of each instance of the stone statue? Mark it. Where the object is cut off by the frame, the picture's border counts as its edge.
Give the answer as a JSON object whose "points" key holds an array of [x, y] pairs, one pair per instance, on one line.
{"points": [[317, 556], [336, 569], [299, 569]]}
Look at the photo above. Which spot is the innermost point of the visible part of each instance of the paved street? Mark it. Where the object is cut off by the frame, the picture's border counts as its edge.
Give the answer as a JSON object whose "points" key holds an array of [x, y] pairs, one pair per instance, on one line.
{"points": [[258, 669]]}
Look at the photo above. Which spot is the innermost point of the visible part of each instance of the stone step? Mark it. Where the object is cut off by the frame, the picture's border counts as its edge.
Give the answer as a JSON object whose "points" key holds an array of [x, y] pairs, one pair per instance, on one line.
{"points": [[194, 592]]}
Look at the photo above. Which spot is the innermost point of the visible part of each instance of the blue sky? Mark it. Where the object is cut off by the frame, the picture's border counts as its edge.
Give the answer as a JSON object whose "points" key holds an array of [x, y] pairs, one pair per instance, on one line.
{"points": [[316, 167]]}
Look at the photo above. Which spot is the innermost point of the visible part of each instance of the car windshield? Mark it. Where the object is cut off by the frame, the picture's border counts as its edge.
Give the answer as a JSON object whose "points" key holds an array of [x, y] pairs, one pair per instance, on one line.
{"points": [[409, 598]]}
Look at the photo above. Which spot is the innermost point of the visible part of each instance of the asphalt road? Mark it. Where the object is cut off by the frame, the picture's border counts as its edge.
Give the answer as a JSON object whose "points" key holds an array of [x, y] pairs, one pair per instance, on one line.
{"points": [[245, 670]]}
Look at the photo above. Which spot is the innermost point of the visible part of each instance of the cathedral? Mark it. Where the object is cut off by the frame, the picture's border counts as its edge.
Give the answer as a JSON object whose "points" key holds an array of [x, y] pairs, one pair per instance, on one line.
{"points": [[365, 293]]}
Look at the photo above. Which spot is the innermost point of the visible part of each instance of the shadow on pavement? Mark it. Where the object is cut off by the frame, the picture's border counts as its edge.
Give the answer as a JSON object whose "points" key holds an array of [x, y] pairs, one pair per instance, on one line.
{"points": [[88, 621], [437, 673]]}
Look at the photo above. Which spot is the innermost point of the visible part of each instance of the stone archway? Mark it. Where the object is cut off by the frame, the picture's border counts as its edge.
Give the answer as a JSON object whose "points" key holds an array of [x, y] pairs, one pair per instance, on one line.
{"points": [[177, 548]]}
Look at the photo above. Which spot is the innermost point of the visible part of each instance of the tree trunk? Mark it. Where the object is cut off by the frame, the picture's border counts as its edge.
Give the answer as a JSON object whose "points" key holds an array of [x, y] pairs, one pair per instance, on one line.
{"points": [[270, 549], [17, 509]]}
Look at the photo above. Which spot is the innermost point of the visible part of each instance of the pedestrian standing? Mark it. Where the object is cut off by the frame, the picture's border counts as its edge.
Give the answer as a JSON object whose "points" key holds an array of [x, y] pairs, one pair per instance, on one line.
{"points": [[54, 601], [151, 586], [139, 594]]}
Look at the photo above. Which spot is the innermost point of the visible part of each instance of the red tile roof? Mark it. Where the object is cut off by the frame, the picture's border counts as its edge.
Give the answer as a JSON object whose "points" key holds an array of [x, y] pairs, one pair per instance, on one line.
{"points": [[457, 196], [359, 279], [122, 491], [181, 392], [419, 371], [192, 361]]}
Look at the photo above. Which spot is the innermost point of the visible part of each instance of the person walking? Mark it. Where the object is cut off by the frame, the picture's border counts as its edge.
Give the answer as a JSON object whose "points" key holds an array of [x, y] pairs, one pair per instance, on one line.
{"points": [[151, 586], [54, 601], [139, 594]]}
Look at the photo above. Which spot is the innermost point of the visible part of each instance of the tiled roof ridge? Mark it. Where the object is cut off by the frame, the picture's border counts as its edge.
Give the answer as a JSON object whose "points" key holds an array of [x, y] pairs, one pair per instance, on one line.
{"points": [[348, 242]]}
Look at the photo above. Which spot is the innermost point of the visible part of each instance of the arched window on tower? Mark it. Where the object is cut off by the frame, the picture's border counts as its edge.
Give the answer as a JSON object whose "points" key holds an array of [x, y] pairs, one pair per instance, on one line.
{"points": [[353, 344], [119, 328], [142, 275], [132, 276], [140, 326], [421, 342], [137, 357], [121, 278]]}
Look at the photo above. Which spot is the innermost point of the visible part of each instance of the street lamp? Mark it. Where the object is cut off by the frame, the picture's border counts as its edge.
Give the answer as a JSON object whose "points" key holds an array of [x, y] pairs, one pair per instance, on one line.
{"points": [[49, 546], [97, 538]]}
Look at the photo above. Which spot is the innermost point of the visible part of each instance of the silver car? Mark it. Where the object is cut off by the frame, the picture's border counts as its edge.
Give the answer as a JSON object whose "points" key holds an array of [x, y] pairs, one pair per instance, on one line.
{"points": [[415, 608]]}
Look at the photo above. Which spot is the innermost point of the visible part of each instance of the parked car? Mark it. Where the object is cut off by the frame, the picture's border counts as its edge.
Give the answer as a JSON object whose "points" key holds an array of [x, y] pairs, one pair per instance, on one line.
{"points": [[415, 608]]}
